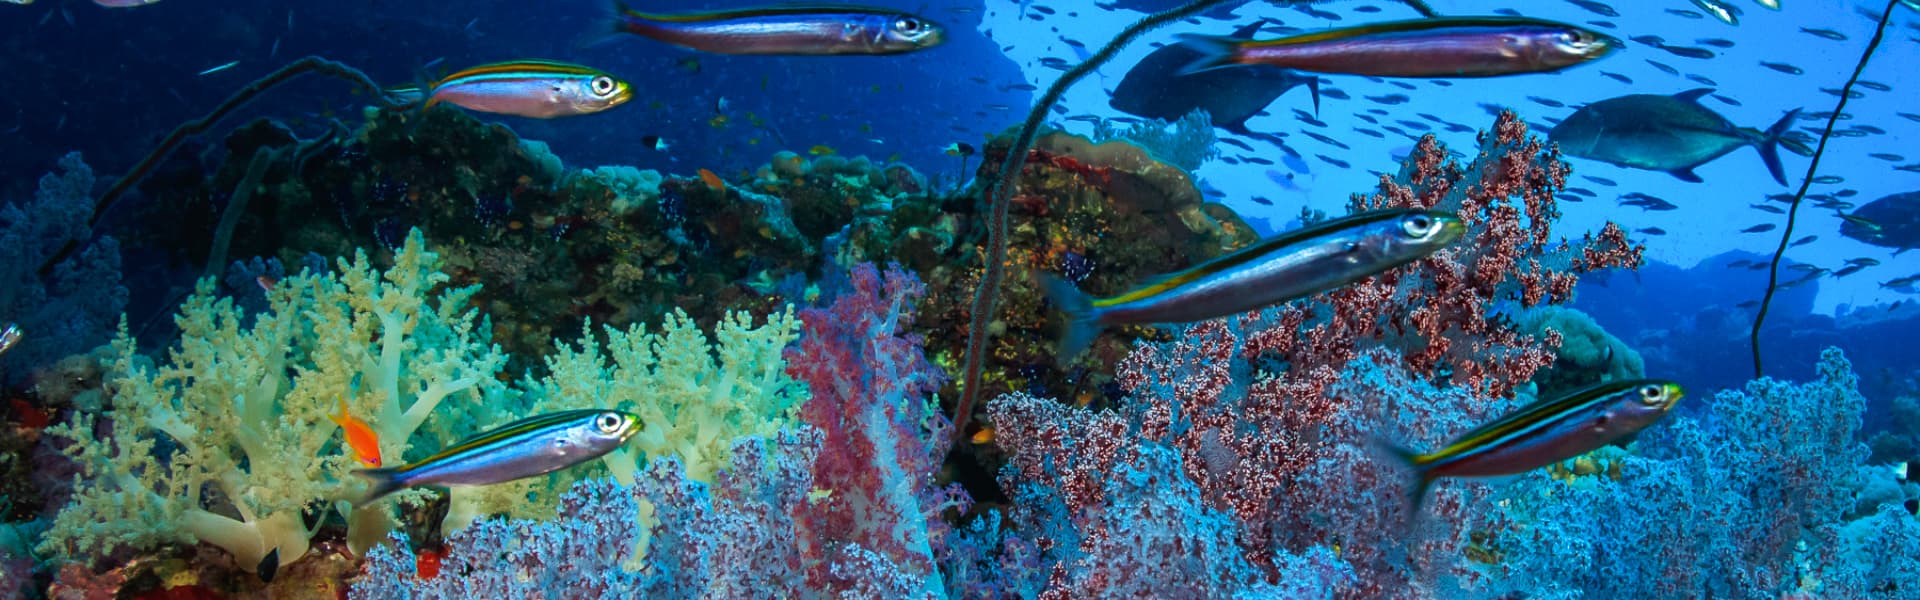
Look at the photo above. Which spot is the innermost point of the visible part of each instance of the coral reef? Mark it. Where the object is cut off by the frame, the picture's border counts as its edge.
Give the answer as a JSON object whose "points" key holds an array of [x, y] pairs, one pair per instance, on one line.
{"points": [[1104, 215], [1752, 498], [618, 246], [227, 442], [885, 435], [73, 309], [1447, 311], [1186, 143]]}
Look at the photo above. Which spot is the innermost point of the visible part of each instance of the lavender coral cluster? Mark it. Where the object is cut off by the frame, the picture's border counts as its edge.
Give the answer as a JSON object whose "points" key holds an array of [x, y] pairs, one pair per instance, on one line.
{"points": [[73, 308]]}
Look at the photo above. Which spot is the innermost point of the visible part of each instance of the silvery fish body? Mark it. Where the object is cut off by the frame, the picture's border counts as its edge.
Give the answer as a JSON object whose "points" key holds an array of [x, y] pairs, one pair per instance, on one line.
{"points": [[1281, 268], [797, 30], [1548, 431], [1674, 134], [530, 88], [9, 336], [1437, 47], [525, 448]]}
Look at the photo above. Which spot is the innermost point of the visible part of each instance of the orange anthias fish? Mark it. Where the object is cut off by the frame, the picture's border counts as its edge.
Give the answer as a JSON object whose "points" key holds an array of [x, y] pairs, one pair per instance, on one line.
{"points": [[713, 181], [361, 438]]}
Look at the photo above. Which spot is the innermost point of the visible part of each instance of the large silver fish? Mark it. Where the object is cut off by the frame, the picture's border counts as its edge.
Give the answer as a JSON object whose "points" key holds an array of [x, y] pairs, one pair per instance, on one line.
{"points": [[525, 448], [1291, 265], [1437, 47], [1664, 133], [799, 30], [1547, 432]]}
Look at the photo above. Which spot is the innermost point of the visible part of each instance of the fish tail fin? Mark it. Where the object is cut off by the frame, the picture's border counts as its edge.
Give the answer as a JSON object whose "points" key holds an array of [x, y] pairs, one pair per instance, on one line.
{"points": [[340, 419], [1423, 477], [380, 482], [1215, 52], [622, 20], [1770, 145], [1083, 321], [1313, 85]]}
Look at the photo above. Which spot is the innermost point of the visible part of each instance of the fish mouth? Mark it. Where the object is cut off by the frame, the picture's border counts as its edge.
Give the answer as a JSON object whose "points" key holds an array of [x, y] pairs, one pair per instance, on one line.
{"points": [[1674, 394], [1451, 230]]}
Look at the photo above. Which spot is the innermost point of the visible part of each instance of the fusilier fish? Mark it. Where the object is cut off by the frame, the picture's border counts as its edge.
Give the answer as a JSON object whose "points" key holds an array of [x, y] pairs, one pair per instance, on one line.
{"points": [[1280, 268], [525, 448], [1546, 432], [799, 29], [528, 88], [1674, 134], [1437, 47]]}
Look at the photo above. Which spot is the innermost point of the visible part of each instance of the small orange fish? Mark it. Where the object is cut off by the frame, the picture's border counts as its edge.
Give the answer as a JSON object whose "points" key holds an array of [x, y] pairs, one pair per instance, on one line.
{"points": [[266, 283], [713, 181], [983, 436], [821, 150], [360, 438]]}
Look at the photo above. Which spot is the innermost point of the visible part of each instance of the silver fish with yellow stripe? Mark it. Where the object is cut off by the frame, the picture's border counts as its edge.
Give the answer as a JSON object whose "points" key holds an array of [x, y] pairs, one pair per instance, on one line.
{"points": [[787, 30], [1284, 267], [538, 89], [1547, 432], [526, 448]]}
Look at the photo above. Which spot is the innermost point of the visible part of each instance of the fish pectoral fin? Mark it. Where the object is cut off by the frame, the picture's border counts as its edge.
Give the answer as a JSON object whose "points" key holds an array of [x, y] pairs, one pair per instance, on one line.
{"points": [[1686, 174]]}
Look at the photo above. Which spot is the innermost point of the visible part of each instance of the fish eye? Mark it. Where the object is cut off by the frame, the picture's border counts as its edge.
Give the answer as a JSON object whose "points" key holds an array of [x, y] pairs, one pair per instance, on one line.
{"points": [[608, 423], [603, 85], [1417, 225], [907, 24], [1652, 394]]}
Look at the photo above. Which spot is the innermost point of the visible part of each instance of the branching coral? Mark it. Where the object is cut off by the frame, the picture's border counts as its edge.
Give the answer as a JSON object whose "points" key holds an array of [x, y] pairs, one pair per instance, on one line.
{"points": [[1747, 499], [695, 396], [228, 441]]}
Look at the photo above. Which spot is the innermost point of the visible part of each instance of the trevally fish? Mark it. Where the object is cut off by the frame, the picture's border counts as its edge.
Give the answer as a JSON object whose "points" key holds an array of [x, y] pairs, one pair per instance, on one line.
{"points": [[1546, 432], [798, 29], [1674, 134], [528, 88], [1291, 265], [1890, 222], [1437, 47], [1157, 88], [532, 446]]}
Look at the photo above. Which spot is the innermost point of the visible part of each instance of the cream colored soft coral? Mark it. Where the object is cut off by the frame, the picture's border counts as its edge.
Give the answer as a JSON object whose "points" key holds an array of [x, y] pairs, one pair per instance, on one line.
{"points": [[695, 395], [228, 442]]}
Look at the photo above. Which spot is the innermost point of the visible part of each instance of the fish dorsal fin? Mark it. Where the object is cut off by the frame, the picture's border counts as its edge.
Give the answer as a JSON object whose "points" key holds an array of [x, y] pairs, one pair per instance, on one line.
{"points": [[1693, 96], [1245, 32]]}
